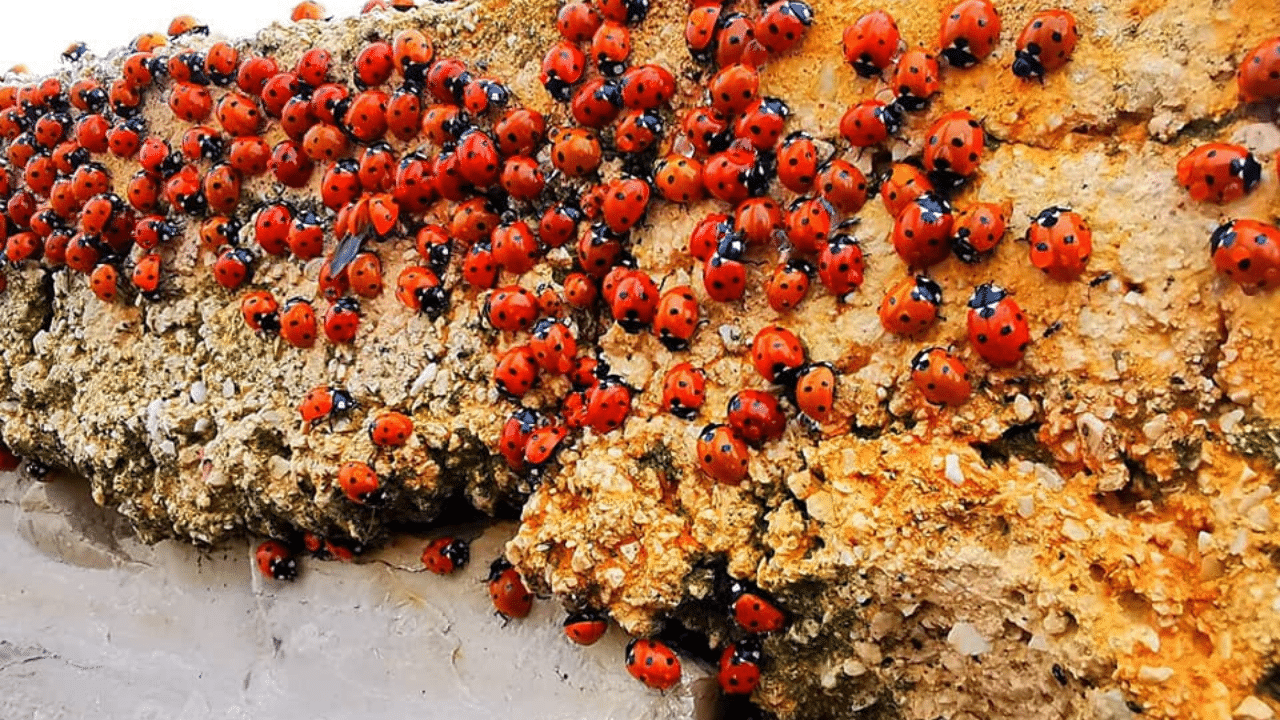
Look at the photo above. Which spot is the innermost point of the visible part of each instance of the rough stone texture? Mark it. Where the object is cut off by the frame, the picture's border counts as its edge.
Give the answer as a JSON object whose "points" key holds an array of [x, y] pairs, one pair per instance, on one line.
{"points": [[1113, 539], [95, 623]]}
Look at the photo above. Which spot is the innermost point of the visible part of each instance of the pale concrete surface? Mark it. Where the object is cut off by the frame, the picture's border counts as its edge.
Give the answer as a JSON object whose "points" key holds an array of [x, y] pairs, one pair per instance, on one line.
{"points": [[95, 625]]}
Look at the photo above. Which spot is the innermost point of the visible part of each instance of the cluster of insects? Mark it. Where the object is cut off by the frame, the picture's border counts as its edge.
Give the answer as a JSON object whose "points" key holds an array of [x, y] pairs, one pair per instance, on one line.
{"points": [[405, 144]]}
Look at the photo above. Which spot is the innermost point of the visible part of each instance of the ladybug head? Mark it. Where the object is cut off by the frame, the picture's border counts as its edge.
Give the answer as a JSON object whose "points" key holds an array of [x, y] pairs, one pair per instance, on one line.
{"points": [[920, 362], [433, 300], [284, 568], [342, 401], [747, 651], [1049, 216], [927, 290], [497, 567], [1027, 65], [986, 297], [458, 551], [1223, 237]]}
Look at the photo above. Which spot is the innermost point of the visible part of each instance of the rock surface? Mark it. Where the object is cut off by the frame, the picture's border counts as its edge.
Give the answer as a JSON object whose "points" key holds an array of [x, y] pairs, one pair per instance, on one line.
{"points": [[1093, 534]]}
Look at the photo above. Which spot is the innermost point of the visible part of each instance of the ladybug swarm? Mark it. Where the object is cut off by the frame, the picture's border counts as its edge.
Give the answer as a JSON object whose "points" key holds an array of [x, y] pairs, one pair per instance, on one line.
{"points": [[670, 303]]}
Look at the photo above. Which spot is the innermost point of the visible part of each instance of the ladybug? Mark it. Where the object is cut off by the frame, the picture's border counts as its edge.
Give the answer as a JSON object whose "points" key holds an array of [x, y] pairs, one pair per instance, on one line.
{"points": [[418, 288], [733, 175], [374, 65], [841, 265], [625, 203], [443, 556], [809, 222], [261, 312], [777, 353], [146, 274], [519, 132], [579, 290], [596, 103], [1219, 172], [753, 610], [521, 178], [922, 231], [562, 67], [511, 308], [391, 429], [677, 318], [1045, 44], [515, 436], [797, 162], [275, 561], [554, 346], [479, 269], [342, 320], [814, 392], [969, 32], [724, 276], [298, 323], [901, 186], [635, 302], [575, 151], [516, 371], [271, 228], [700, 30], [871, 42], [365, 275], [684, 390], [361, 484], [577, 21], [1247, 251], [756, 416], [679, 179], [789, 284], [941, 377], [104, 281], [325, 402], [542, 445], [706, 129], [997, 327], [1060, 243], [585, 627], [647, 87], [599, 249], [511, 598], [734, 88], [740, 668], [758, 220], [782, 25], [722, 455], [976, 231], [911, 305], [1259, 75], [610, 48], [624, 11], [952, 149], [608, 403], [915, 79], [843, 185], [762, 122], [233, 267], [653, 663]]}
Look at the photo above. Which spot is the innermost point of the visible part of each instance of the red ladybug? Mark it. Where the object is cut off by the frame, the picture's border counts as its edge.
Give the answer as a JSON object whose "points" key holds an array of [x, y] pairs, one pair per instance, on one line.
{"points": [[870, 123], [684, 390], [777, 353], [915, 80], [969, 32], [146, 274], [577, 21], [997, 327], [608, 403], [515, 436], [753, 610], [871, 42], [798, 162], [809, 223], [911, 305], [542, 446], [706, 129], [952, 149], [610, 48], [841, 265], [298, 323], [733, 89], [756, 416], [233, 267], [625, 203], [814, 393], [275, 561], [261, 312], [976, 231], [391, 429], [653, 663], [679, 179], [722, 455], [941, 377], [1259, 75], [700, 30], [740, 668], [511, 598], [443, 556], [1061, 243], [789, 284], [342, 320], [922, 231], [677, 318], [1247, 251], [635, 302], [585, 627], [782, 25], [104, 280], [418, 288], [724, 276], [554, 346], [511, 308], [516, 371], [365, 275], [736, 42], [761, 124], [325, 402], [361, 484], [575, 151], [1219, 172], [758, 220], [1045, 44], [637, 130]]}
